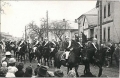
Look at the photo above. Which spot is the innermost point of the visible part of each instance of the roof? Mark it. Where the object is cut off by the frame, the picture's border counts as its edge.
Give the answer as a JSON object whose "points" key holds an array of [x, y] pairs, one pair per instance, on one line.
{"points": [[73, 25], [94, 11], [91, 16], [92, 20]]}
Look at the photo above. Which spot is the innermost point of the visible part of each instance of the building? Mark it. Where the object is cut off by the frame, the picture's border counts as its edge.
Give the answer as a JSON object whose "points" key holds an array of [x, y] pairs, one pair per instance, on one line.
{"points": [[89, 23], [110, 20], [70, 32]]}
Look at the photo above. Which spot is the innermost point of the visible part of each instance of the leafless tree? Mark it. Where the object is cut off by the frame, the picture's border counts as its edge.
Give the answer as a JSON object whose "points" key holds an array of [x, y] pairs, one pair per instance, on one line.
{"points": [[59, 28], [35, 30]]}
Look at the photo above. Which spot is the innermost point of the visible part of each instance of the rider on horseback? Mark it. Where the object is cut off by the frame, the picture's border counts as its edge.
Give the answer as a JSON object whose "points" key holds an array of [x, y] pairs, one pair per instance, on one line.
{"points": [[36, 43], [67, 48]]}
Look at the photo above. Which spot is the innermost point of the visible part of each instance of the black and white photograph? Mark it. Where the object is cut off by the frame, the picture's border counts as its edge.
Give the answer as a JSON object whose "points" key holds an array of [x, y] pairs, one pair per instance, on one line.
{"points": [[59, 38]]}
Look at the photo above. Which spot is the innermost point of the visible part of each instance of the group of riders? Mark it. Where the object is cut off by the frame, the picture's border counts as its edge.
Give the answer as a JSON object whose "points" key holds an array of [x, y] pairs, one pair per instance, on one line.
{"points": [[50, 46]]}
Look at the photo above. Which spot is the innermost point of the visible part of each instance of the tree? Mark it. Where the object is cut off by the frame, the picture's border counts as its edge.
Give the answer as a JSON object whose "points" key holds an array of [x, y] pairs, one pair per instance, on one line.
{"points": [[34, 30], [59, 28], [3, 4]]}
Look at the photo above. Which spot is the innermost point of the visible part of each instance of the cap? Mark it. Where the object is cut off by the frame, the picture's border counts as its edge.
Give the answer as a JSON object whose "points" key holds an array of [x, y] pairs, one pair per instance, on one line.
{"points": [[12, 60]]}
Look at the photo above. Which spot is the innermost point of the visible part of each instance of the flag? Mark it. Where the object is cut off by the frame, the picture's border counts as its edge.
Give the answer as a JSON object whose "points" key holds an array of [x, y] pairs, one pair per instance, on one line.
{"points": [[84, 38]]}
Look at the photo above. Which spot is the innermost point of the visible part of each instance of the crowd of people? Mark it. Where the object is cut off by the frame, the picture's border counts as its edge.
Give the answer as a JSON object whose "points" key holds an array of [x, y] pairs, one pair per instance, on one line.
{"points": [[12, 69]]}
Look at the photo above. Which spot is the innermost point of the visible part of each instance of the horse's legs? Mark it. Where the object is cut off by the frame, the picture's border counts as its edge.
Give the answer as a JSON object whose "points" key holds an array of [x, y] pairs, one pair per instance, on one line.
{"points": [[68, 69], [38, 58], [76, 68], [100, 70], [24, 57], [21, 57]]}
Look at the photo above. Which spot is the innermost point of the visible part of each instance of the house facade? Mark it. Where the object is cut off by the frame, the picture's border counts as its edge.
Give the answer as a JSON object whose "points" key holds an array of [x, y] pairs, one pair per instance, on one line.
{"points": [[110, 21], [89, 23]]}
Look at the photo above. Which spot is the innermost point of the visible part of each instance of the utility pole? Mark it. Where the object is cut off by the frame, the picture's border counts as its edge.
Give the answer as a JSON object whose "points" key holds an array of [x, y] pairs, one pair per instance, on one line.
{"points": [[0, 46], [25, 33], [100, 22], [47, 24]]}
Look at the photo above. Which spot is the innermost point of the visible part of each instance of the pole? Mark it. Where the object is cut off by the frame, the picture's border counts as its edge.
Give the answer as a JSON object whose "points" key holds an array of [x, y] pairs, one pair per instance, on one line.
{"points": [[25, 33], [100, 22], [0, 46], [47, 24]]}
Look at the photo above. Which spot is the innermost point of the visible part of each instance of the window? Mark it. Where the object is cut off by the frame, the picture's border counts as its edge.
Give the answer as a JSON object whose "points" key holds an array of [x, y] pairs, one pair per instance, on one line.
{"points": [[95, 36], [108, 33], [104, 34], [104, 11], [108, 9]]}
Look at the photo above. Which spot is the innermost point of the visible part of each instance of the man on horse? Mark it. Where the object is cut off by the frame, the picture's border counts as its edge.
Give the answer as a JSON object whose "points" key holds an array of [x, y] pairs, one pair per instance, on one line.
{"points": [[54, 45], [94, 45], [36, 43], [67, 48], [45, 43]]}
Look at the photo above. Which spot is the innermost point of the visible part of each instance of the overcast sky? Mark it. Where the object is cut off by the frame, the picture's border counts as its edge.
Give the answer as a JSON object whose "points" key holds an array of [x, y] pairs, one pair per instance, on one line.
{"points": [[20, 13]]}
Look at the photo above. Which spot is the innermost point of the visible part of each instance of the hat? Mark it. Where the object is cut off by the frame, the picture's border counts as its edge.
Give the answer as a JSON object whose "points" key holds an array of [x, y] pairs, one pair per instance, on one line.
{"points": [[12, 60], [43, 71], [7, 53], [72, 73], [59, 73], [51, 73], [4, 64]]}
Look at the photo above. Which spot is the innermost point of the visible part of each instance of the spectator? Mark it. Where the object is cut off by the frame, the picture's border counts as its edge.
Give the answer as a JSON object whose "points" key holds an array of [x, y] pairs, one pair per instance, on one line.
{"points": [[116, 54], [7, 57], [2, 73], [20, 72], [43, 72], [58, 73], [112, 50], [51, 74], [28, 72], [4, 68], [11, 68], [37, 69], [72, 73]]}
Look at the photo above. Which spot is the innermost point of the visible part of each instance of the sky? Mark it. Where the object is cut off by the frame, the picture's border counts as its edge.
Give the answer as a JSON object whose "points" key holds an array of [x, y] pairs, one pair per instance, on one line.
{"points": [[20, 13]]}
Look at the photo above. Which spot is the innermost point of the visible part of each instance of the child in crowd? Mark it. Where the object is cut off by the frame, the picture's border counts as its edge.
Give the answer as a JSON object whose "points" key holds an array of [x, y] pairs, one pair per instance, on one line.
{"points": [[58, 73], [37, 69], [4, 68], [2, 73], [20, 72], [28, 72], [72, 73], [11, 68]]}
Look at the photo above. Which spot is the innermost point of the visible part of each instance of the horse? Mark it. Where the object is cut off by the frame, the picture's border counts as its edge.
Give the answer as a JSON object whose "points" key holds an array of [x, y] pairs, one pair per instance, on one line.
{"points": [[73, 59], [90, 56], [13, 48], [37, 52], [54, 50], [22, 51], [46, 53]]}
